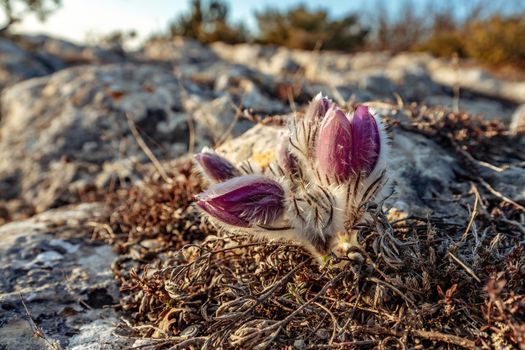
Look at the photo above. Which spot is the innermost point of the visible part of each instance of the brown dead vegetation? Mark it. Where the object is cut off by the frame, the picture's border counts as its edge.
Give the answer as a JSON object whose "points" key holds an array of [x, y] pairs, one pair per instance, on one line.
{"points": [[425, 282]]}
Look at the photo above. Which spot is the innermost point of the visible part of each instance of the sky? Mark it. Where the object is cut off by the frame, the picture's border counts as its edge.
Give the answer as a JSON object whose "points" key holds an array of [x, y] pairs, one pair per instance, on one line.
{"points": [[78, 20]]}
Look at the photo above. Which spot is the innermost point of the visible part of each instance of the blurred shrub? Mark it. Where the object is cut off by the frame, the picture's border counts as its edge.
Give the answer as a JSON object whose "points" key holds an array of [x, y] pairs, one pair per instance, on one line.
{"points": [[15, 10], [208, 23], [444, 37], [490, 32], [301, 28], [397, 33], [496, 41], [115, 41], [444, 44]]}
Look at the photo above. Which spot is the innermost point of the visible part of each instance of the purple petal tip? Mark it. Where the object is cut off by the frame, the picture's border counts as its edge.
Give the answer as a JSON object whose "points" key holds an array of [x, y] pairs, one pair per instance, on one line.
{"points": [[215, 167]]}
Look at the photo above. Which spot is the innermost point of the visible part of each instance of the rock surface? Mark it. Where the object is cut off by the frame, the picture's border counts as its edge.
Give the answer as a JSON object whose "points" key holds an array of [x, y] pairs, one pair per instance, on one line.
{"points": [[49, 263], [517, 126], [17, 64], [24, 57], [65, 133], [60, 53], [414, 76]]}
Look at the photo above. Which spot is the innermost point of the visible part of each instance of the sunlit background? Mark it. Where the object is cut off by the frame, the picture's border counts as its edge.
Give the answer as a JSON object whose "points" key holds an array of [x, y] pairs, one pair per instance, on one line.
{"points": [[408, 20], [79, 20]]}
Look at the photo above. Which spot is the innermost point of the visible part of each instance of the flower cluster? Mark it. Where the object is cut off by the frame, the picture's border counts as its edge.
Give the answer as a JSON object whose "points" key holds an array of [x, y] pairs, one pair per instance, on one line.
{"points": [[328, 166]]}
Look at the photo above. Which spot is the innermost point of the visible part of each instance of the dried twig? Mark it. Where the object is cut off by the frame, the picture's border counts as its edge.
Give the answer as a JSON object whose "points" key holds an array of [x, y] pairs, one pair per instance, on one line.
{"points": [[140, 141], [464, 266], [37, 331], [501, 196], [446, 338], [473, 214]]}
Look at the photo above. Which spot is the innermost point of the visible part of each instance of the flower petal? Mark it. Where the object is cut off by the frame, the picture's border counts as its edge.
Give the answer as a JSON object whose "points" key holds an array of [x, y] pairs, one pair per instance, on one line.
{"points": [[365, 141], [334, 143], [244, 201]]}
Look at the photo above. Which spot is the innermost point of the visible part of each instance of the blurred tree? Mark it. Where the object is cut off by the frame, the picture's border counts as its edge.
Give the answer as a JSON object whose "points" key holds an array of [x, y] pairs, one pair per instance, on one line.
{"points": [[400, 32], [486, 34], [14, 10], [497, 40], [116, 40], [468, 28], [209, 23], [302, 28], [443, 37]]}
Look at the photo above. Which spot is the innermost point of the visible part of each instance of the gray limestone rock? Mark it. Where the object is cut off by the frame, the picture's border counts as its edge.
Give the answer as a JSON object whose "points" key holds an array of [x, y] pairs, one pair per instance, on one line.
{"points": [[62, 134], [179, 51], [27, 56], [517, 125], [50, 264], [59, 53], [17, 64], [510, 182]]}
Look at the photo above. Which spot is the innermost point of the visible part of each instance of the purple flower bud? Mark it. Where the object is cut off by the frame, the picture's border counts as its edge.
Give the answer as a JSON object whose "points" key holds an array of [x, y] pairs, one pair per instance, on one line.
{"points": [[365, 141], [215, 167], [318, 108], [286, 160], [334, 145], [326, 104], [243, 201]]}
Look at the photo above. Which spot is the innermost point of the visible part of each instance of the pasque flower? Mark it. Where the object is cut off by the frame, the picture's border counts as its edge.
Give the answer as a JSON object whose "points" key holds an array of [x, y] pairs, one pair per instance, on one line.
{"points": [[215, 167], [328, 164], [244, 201]]}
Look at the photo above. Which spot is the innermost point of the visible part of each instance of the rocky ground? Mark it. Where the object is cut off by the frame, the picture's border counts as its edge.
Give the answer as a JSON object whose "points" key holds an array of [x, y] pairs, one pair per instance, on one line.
{"points": [[77, 123]]}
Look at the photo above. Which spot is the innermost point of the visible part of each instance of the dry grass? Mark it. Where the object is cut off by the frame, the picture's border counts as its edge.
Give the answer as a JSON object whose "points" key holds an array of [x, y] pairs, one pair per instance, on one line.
{"points": [[424, 282]]}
